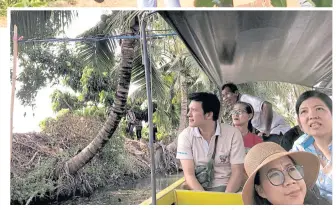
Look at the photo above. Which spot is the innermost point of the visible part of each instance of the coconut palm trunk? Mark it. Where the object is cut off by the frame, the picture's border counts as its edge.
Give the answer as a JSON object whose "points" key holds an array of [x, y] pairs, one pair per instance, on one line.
{"points": [[117, 109]]}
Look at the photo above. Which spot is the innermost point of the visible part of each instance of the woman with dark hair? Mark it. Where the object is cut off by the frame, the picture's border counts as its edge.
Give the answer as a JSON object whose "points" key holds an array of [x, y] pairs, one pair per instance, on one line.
{"points": [[242, 115], [278, 177], [314, 116]]}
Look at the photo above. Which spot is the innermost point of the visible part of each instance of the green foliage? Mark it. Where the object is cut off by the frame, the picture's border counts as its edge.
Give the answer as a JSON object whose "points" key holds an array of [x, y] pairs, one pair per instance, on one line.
{"points": [[98, 55], [61, 113], [64, 100], [145, 132], [31, 3], [34, 183], [92, 111], [160, 135], [204, 3], [316, 3], [111, 164], [138, 75], [43, 124], [224, 3], [279, 3], [122, 126], [322, 3], [39, 24], [98, 87], [52, 63], [212, 3], [44, 64], [4, 4]]}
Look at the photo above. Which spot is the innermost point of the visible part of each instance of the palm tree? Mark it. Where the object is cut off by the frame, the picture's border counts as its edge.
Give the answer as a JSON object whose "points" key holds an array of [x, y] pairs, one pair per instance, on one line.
{"points": [[38, 23], [118, 109]]}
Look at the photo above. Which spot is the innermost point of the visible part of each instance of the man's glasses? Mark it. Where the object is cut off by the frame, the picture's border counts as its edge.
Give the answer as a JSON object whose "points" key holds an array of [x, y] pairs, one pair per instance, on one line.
{"points": [[277, 177], [238, 112]]}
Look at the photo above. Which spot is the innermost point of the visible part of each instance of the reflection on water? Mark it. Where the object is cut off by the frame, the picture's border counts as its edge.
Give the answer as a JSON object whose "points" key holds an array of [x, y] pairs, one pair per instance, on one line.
{"points": [[162, 182]]}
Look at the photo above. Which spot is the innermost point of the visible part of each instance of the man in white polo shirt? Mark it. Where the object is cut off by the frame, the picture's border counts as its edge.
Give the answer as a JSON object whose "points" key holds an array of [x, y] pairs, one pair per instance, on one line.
{"points": [[196, 146], [271, 125]]}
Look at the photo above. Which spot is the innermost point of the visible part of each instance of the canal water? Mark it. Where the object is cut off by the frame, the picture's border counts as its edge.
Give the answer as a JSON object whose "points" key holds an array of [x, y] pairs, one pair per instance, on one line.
{"points": [[131, 194]]}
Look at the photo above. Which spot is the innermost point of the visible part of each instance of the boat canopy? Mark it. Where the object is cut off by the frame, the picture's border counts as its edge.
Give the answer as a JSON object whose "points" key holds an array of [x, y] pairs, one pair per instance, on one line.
{"points": [[251, 46]]}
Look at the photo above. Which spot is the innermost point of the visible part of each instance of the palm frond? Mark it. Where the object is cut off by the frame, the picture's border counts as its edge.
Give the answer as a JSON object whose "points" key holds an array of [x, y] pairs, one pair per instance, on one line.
{"points": [[98, 55], [138, 77], [40, 24]]}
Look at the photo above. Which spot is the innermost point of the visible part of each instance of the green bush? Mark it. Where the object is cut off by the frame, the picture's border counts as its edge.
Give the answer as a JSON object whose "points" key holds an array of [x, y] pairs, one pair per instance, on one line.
{"points": [[34, 183]]}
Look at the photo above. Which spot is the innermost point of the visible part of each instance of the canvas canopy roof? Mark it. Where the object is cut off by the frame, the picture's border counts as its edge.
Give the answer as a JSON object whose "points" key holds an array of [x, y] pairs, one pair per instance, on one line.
{"points": [[250, 46]]}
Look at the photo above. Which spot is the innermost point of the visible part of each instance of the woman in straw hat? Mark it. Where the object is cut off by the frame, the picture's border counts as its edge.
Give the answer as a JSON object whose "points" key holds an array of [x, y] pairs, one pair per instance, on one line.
{"points": [[278, 177], [314, 113]]}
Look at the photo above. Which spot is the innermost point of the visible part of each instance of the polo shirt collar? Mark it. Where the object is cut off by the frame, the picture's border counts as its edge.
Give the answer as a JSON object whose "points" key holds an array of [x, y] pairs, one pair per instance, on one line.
{"points": [[197, 133]]}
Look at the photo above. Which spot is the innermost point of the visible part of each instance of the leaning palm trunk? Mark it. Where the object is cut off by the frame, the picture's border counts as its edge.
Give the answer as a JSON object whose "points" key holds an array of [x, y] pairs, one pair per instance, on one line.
{"points": [[117, 109]]}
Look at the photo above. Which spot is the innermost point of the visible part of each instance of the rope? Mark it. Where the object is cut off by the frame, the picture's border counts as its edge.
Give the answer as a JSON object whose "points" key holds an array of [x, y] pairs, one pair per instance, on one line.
{"points": [[94, 39]]}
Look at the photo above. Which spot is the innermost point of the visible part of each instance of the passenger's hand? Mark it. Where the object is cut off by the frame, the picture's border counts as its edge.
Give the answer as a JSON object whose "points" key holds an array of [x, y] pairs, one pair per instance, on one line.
{"points": [[264, 133]]}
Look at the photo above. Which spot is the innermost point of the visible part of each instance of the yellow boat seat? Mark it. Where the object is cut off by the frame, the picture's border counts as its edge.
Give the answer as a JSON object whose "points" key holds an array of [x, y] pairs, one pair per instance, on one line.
{"points": [[188, 197], [173, 195]]}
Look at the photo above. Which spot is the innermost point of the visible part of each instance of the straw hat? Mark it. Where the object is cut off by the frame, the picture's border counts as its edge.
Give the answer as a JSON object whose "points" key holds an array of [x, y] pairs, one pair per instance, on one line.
{"points": [[265, 152]]}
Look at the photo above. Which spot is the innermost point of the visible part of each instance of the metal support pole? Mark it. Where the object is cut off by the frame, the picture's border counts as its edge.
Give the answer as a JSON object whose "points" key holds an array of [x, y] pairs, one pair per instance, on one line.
{"points": [[150, 109]]}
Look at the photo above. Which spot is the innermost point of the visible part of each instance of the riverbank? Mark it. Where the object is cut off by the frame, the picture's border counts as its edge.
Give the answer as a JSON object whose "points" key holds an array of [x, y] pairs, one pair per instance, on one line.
{"points": [[39, 174]]}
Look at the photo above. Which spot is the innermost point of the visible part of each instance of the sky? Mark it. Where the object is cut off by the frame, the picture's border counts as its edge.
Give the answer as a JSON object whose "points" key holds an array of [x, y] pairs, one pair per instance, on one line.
{"points": [[29, 123]]}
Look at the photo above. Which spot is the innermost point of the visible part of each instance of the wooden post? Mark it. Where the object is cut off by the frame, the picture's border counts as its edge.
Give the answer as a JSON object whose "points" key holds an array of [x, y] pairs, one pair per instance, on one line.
{"points": [[15, 53]]}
